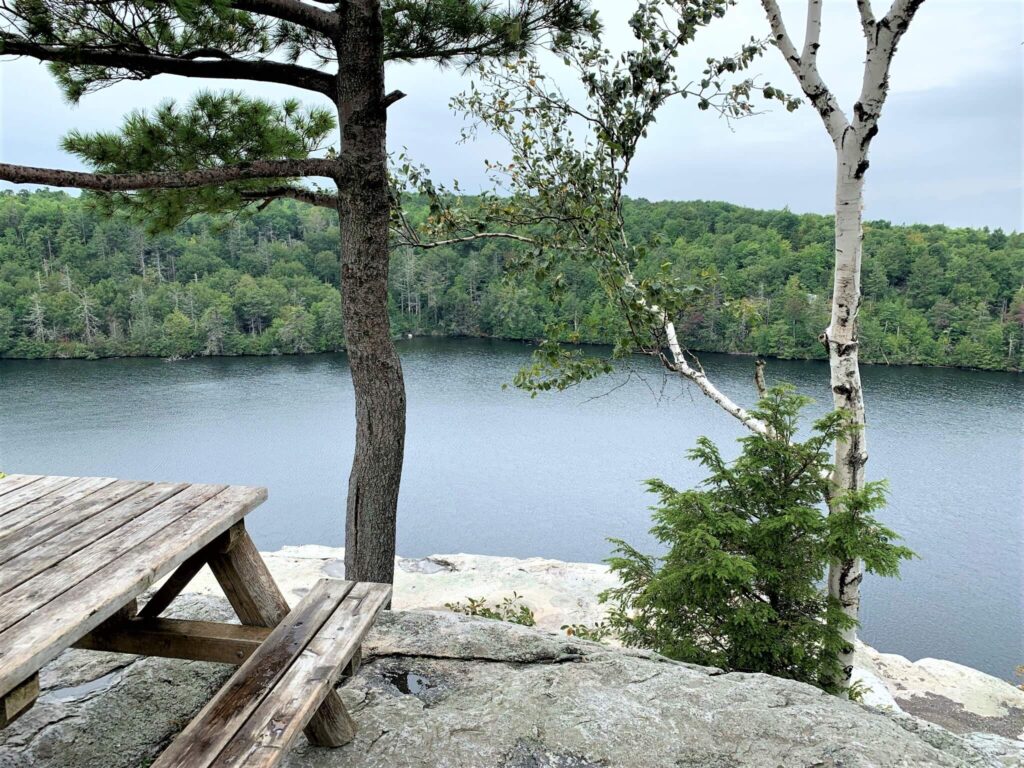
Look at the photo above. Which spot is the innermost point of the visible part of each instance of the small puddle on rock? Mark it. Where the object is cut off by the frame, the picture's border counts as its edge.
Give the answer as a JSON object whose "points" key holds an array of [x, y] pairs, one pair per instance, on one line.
{"points": [[408, 683], [83, 691]]}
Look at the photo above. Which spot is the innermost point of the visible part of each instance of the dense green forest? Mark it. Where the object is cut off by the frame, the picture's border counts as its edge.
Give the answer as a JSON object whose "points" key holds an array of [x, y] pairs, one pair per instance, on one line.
{"points": [[76, 284]]}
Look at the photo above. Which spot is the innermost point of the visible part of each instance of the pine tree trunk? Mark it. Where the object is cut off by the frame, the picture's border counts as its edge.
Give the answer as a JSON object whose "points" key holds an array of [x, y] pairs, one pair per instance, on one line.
{"points": [[841, 339], [364, 206]]}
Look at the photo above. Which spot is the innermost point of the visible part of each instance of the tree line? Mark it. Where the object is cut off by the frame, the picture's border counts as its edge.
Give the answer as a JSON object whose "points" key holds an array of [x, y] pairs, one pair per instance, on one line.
{"points": [[75, 283]]}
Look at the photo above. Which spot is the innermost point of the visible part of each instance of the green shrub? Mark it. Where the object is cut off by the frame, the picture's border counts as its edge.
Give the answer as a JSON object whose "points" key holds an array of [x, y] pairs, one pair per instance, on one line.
{"points": [[740, 585]]}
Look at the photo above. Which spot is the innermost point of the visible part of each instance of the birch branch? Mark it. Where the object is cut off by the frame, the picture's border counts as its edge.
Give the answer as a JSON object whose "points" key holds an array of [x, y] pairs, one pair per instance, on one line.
{"points": [[680, 365], [468, 239], [812, 35], [821, 98], [867, 18], [881, 48]]}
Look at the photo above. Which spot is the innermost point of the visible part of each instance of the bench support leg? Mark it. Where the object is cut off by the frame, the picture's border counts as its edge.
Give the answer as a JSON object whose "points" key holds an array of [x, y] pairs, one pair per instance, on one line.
{"points": [[19, 701], [255, 596], [331, 725]]}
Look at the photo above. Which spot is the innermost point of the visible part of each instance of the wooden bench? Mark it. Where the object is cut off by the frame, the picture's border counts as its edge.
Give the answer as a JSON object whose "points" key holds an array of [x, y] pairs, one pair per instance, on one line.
{"points": [[76, 553], [273, 695]]}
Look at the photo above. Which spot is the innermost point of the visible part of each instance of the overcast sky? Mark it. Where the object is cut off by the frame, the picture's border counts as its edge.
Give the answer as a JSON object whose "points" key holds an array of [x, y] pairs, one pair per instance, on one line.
{"points": [[949, 150]]}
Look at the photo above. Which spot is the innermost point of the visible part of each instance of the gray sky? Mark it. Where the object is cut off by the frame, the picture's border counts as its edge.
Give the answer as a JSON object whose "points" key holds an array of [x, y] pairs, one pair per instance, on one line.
{"points": [[949, 150]]}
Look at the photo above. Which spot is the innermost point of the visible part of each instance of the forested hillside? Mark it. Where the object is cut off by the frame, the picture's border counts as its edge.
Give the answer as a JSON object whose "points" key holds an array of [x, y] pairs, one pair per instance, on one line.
{"points": [[74, 284]]}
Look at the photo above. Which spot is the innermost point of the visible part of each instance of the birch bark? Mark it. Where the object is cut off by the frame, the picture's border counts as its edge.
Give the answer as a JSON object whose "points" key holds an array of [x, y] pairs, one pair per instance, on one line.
{"points": [[852, 138]]}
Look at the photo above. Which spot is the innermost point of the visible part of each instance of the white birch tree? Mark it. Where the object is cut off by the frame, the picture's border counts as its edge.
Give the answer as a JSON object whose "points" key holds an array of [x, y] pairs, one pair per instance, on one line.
{"points": [[851, 135], [570, 163]]}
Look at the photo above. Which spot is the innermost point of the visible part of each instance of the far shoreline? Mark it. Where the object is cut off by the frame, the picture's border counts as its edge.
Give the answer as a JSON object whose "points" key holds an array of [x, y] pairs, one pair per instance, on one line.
{"points": [[93, 357]]}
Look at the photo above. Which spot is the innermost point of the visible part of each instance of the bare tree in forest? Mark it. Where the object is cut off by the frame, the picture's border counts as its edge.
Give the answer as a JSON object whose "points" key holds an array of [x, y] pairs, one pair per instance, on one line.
{"points": [[36, 319], [851, 135], [226, 151], [87, 314]]}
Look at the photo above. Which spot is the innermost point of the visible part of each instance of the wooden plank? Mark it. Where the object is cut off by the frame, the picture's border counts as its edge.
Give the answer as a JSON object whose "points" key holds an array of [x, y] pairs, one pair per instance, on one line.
{"points": [[204, 738], [92, 542], [10, 502], [272, 728], [330, 725], [13, 482], [252, 592], [39, 638], [43, 519], [177, 639], [19, 701], [247, 583], [176, 582]]}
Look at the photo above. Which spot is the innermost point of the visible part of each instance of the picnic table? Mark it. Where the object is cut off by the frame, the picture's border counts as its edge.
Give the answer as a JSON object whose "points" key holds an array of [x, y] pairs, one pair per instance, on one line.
{"points": [[77, 552]]}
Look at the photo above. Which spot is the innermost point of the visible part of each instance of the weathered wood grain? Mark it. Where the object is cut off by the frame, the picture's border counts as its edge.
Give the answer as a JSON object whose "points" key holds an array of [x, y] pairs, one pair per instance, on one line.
{"points": [[254, 595], [13, 482], [40, 574], [10, 502], [36, 639], [26, 529], [204, 738], [180, 579], [18, 701], [246, 582], [177, 639], [276, 723]]}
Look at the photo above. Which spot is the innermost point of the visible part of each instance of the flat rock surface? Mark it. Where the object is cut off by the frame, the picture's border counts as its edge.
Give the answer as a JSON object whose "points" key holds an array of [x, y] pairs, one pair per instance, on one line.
{"points": [[559, 593], [441, 689]]}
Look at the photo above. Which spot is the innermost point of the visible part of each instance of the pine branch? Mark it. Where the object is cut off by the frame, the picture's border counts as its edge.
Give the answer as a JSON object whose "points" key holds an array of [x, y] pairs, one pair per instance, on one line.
{"points": [[321, 199], [125, 182], [294, 12], [146, 65]]}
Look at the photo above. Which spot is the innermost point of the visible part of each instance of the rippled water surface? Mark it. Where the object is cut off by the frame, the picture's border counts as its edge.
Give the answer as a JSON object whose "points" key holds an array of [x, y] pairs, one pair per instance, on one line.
{"points": [[491, 471]]}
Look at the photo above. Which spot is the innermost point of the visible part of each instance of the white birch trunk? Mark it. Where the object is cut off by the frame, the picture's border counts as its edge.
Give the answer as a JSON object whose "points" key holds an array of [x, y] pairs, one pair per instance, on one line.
{"points": [[841, 339]]}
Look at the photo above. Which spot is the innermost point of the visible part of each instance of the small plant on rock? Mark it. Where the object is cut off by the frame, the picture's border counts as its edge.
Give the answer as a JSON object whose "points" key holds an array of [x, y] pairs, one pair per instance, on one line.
{"points": [[598, 632], [741, 584], [510, 609]]}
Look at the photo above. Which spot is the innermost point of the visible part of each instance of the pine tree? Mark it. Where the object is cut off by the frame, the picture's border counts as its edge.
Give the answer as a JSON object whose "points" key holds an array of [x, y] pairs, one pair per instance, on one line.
{"points": [[740, 586], [225, 151]]}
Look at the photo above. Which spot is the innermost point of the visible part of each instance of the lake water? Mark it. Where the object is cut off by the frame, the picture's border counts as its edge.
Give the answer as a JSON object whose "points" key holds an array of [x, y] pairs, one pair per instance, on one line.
{"points": [[492, 471]]}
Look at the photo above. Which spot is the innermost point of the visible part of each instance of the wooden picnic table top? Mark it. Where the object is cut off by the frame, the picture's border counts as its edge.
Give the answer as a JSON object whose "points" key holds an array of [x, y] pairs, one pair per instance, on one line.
{"points": [[76, 550]]}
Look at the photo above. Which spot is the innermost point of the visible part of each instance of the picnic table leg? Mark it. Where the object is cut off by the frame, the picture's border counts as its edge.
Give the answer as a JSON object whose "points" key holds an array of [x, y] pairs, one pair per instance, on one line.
{"points": [[255, 596]]}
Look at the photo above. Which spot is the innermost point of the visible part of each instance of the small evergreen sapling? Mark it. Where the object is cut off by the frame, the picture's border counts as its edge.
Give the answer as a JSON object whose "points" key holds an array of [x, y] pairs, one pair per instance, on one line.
{"points": [[741, 585]]}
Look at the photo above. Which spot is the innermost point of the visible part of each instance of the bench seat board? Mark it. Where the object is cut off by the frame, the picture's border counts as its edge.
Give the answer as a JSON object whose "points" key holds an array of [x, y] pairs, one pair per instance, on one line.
{"points": [[207, 735], [273, 727], [59, 606]]}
